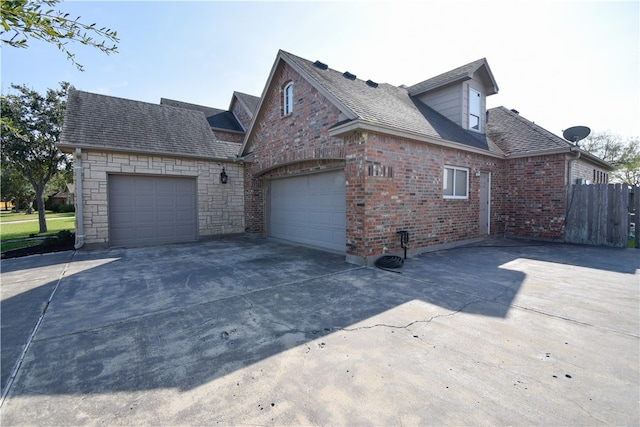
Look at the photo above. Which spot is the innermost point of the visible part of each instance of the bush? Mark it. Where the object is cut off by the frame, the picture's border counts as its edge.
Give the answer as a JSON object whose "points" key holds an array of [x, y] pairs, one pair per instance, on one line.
{"points": [[63, 237], [62, 208]]}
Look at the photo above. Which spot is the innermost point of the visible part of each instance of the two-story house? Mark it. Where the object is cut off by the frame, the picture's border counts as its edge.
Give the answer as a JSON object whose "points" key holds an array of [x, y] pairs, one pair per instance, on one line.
{"points": [[331, 160], [345, 163]]}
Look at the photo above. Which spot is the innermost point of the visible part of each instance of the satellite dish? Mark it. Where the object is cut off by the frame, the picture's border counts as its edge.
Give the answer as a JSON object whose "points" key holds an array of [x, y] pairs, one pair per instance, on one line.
{"points": [[576, 133]]}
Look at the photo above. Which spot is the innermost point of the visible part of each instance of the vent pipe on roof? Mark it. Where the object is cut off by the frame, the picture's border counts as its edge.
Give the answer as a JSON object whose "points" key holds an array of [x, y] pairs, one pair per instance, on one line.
{"points": [[320, 65], [372, 83], [348, 75]]}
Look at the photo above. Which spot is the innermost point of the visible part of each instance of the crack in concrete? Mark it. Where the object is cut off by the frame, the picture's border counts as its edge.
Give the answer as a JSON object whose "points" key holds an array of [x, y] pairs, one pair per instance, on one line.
{"points": [[408, 325]]}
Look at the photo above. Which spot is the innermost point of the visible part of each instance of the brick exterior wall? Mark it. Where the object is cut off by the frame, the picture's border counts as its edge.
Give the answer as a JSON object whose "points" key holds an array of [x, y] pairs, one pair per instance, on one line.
{"points": [[396, 184], [241, 114], [220, 207], [531, 195], [229, 136], [289, 145]]}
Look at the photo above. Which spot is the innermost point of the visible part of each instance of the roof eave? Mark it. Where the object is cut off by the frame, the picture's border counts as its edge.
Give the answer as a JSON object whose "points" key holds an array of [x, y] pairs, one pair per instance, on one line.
{"points": [[239, 132], [597, 160], [70, 148], [262, 98], [561, 150], [359, 125], [492, 88], [492, 79], [451, 81]]}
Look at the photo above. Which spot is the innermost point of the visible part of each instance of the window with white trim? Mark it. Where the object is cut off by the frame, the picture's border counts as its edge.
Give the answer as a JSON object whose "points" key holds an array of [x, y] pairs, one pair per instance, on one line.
{"points": [[475, 106], [287, 99], [455, 183]]}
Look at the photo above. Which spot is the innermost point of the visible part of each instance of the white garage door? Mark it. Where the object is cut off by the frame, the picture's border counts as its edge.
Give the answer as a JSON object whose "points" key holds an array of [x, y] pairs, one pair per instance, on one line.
{"points": [[147, 210], [310, 209]]}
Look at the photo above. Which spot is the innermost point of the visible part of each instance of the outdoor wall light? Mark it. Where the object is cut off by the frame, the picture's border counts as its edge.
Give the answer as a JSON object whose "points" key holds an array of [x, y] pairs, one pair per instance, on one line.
{"points": [[223, 177]]}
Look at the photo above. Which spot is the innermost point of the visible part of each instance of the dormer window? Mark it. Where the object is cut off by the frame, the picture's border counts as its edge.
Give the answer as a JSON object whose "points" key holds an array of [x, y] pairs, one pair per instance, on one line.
{"points": [[287, 99], [475, 106]]}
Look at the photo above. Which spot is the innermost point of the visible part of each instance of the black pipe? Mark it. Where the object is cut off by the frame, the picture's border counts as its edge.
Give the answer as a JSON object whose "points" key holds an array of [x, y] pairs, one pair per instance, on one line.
{"points": [[404, 240]]}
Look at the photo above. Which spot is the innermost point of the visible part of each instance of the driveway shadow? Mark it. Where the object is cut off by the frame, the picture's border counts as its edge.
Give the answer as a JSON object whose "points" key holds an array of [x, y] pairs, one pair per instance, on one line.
{"points": [[24, 297], [181, 316]]}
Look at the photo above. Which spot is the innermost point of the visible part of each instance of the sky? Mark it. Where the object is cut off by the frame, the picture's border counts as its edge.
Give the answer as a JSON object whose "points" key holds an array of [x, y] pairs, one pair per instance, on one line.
{"points": [[560, 64]]}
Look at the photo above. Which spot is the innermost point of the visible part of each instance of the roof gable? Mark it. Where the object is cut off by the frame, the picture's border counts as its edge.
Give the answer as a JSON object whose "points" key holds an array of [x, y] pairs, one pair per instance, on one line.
{"points": [[249, 102], [117, 124], [385, 105], [479, 67]]}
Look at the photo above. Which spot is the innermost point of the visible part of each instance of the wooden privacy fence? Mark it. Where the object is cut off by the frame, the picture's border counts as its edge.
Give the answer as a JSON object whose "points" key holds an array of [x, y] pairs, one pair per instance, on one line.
{"points": [[603, 215]]}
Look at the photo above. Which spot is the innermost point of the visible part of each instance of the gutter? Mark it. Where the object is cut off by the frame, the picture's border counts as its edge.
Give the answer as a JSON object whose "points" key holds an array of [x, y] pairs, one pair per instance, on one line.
{"points": [[358, 125], [68, 148], [79, 212]]}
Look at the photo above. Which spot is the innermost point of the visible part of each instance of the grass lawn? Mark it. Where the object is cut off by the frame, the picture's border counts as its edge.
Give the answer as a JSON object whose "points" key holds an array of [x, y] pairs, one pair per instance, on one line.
{"points": [[19, 226]]}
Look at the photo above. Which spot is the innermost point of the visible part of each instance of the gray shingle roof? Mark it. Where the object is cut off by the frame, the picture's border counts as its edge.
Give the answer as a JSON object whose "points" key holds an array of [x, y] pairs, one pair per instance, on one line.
{"points": [[116, 124], [389, 106], [217, 118], [516, 135], [250, 101], [461, 73]]}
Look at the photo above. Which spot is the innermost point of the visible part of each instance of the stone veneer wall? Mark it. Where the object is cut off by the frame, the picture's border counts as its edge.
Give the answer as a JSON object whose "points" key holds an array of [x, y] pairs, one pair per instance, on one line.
{"points": [[220, 207]]}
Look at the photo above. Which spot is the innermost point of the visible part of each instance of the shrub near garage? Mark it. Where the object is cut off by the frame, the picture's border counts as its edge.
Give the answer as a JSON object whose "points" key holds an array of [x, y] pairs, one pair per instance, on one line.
{"points": [[63, 208]]}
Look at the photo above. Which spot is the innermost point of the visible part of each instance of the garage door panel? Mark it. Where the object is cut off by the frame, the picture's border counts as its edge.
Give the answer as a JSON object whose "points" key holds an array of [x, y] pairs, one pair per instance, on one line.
{"points": [[142, 200], [183, 201], [165, 201], [144, 184], [183, 186], [151, 210], [183, 217], [168, 216], [310, 209]]}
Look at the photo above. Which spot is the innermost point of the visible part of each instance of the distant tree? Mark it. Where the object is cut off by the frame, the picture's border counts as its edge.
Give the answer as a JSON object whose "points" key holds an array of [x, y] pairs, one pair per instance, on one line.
{"points": [[28, 140], [25, 19], [59, 181], [623, 155], [15, 189]]}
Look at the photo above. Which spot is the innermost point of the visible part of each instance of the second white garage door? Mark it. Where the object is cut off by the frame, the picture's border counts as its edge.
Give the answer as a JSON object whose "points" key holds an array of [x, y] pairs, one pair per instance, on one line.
{"points": [[310, 209], [149, 210]]}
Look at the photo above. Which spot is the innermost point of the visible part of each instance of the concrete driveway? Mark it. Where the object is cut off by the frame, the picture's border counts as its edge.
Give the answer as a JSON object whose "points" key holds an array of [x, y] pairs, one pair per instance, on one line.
{"points": [[243, 331]]}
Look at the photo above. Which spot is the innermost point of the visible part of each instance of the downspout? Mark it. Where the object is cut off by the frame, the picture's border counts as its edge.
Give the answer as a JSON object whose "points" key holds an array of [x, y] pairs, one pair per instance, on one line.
{"points": [[569, 172], [79, 214]]}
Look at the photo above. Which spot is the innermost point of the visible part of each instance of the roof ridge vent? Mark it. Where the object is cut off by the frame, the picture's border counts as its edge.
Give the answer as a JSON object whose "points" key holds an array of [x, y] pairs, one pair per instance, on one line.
{"points": [[348, 75], [320, 65], [372, 83], [513, 110]]}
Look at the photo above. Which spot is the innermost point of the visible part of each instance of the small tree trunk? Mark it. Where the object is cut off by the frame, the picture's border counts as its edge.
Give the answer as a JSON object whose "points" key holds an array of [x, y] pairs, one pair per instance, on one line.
{"points": [[40, 205]]}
